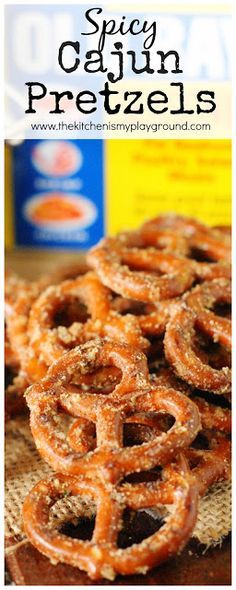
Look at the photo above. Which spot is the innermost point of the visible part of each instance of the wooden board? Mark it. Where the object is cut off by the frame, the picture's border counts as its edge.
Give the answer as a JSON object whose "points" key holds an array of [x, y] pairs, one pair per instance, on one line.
{"points": [[192, 568]]}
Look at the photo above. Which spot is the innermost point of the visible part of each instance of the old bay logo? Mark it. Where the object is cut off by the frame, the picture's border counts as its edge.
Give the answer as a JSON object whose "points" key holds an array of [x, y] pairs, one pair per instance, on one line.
{"points": [[57, 158]]}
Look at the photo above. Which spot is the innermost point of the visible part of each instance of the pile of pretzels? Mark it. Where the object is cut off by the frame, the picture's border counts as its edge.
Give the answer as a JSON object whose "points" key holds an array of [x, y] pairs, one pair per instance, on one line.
{"points": [[125, 368]]}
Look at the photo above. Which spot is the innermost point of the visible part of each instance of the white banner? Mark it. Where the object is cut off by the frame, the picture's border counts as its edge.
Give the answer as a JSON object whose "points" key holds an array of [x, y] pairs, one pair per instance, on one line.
{"points": [[93, 72]]}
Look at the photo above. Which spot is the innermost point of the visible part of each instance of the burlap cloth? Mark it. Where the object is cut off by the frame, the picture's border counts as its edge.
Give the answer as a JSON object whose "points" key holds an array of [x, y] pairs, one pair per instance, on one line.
{"points": [[24, 468]]}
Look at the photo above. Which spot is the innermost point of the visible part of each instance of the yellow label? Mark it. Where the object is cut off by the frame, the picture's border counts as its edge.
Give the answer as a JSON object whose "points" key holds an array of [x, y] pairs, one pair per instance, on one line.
{"points": [[149, 177]]}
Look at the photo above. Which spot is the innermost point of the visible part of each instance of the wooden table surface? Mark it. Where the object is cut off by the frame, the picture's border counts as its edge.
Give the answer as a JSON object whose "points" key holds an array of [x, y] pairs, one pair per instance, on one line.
{"points": [[30, 264], [192, 568]]}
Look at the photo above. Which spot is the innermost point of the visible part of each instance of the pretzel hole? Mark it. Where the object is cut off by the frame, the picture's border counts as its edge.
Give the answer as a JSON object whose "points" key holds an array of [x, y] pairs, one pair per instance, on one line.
{"points": [[219, 357], [217, 400], [194, 461], [137, 526], [136, 434], [199, 255], [156, 350], [222, 309], [69, 311], [82, 530], [210, 352], [10, 373], [144, 476], [74, 517], [126, 306], [201, 442], [151, 425], [156, 364]]}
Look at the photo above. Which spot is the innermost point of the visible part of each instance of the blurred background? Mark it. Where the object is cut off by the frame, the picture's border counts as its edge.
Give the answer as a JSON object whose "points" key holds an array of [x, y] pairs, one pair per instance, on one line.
{"points": [[63, 195]]}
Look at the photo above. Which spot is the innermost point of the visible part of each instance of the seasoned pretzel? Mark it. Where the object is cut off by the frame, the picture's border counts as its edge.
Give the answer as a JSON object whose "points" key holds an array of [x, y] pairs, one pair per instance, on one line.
{"points": [[154, 323], [101, 557], [152, 318], [202, 299], [166, 377], [206, 271], [213, 417], [157, 445], [133, 394], [182, 357], [224, 229], [51, 342], [9, 355], [138, 428], [17, 308], [111, 257], [165, 239], [212, 242], [125, 329], [20, 296], [43, 398], [210, 465]]}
